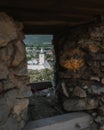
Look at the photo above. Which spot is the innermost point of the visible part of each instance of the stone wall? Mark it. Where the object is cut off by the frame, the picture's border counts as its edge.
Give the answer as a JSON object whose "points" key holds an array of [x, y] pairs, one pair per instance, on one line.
{"points": [[80, 70], [14, 91]]}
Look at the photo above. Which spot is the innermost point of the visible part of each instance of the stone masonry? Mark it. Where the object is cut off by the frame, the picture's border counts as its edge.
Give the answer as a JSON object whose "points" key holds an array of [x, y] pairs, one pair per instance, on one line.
{"points": [[80, 70], [14, 91]]}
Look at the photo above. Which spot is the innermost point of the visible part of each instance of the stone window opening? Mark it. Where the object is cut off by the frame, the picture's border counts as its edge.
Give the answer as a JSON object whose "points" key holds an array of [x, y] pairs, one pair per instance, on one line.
{"points": [[40, 65]]}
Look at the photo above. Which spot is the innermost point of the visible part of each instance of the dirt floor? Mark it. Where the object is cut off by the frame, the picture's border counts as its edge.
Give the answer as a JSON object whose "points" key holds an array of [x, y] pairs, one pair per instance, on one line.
{"points": [[42, 106]]}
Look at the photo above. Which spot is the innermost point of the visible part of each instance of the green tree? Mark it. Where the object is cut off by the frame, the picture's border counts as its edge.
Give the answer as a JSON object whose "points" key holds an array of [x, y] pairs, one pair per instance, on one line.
{"points": [[40, 75]]}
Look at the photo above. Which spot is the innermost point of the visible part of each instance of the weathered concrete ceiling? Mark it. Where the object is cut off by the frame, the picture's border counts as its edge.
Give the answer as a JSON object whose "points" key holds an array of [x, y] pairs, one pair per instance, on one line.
{"points": [[52, 16]]}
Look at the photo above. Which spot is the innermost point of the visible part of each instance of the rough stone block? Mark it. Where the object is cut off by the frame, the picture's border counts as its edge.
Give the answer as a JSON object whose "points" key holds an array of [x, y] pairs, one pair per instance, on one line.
{"points": [[1, 87], [102, 80], [24, 92], [12, 70], [11, 124], [10, 97], [7, 54], [102, 127], [3, 71], [101, 110], [20, 53], [4, 112], [20, 106], [96, 90], [7, 30], [79, 92], [95, 78], [80, 104]]}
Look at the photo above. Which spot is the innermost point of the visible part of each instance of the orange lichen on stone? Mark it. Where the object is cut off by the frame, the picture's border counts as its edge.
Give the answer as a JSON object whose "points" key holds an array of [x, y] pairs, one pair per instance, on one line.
{"points": [[93, 48], [74, 64], [72, 59]]}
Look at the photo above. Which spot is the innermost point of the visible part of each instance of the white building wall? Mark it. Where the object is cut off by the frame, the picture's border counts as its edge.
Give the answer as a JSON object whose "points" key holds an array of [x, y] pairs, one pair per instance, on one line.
{"points": [[41, 59]]}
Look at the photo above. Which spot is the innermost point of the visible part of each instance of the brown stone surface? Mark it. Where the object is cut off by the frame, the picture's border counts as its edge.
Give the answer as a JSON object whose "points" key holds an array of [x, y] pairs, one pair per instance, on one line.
{"points": [[9, 84], [102, 80], [7, 30], [9, 53], [6, 54], [1, 87], [20, 53], [3, 71], [14, 91]]}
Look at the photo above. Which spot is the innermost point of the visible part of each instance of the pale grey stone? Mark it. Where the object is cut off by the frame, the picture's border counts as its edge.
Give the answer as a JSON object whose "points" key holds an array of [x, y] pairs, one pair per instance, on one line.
{"points": [[96, 90]]}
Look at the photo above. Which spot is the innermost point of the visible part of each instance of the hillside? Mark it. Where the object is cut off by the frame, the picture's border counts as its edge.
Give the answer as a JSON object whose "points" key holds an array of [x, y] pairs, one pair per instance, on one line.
{"points": [[37, 39]]}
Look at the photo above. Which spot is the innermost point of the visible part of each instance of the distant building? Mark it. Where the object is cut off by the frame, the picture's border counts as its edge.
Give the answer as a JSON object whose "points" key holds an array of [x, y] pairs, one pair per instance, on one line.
{"points": [[41, 57], [43, 64], [32, 62]]}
